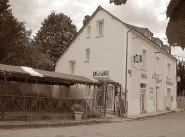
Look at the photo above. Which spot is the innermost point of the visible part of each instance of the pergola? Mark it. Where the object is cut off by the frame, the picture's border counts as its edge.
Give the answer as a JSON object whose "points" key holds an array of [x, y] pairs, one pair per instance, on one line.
{"points": [[11, 103]]}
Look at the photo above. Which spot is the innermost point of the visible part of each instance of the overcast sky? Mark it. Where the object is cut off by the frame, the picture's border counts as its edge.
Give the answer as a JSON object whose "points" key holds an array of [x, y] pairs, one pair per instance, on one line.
{"points": [[144, 13]]}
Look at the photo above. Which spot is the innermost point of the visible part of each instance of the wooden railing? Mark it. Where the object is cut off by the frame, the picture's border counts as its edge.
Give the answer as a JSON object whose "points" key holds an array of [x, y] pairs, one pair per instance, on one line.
{"points": [[15, 103]]}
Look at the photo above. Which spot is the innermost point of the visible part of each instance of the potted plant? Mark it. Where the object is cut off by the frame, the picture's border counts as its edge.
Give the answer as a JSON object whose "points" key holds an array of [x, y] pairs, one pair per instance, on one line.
{"points": [[78, 110]]}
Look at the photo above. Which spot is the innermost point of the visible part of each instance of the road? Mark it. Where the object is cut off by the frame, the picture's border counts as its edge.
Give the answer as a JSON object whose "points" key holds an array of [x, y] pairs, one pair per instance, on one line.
{"points": [[168, 125]]}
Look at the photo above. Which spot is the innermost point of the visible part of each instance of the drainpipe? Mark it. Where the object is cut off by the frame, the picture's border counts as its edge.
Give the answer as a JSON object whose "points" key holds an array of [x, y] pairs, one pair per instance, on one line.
{"points": [[126, 101]]}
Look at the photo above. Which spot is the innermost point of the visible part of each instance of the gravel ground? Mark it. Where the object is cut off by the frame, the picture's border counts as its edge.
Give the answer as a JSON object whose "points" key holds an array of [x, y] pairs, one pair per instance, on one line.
{"points": [[169, 125]]}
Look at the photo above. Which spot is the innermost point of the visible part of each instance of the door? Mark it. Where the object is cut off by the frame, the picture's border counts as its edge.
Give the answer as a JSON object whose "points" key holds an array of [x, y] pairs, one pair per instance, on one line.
{"points": [[110, 97], [157, 98], [142, 100]]}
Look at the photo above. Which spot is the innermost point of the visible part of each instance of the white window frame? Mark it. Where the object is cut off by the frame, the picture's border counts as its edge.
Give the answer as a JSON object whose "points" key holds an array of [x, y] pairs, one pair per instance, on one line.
{"points": [[144, 59], [87, 54], [157, 64], [100, 27], [89, 31], [72, 65], [169, 70]]}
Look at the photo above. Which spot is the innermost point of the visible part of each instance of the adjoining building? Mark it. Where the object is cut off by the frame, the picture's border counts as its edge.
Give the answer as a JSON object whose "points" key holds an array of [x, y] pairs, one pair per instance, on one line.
{"points": [[126, 54]]}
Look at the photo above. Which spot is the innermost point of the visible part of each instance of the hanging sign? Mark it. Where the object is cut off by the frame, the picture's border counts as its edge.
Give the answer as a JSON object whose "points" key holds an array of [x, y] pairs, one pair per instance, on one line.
{"points": [[137, 58]]}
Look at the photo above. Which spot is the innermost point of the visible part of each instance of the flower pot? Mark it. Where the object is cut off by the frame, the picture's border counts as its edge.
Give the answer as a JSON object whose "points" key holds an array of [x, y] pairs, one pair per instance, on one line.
{"points": [[78, 115]]}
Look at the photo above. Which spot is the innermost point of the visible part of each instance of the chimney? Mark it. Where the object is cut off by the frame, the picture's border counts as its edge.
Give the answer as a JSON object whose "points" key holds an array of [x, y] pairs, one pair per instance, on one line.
{"points": [[86, 19]]}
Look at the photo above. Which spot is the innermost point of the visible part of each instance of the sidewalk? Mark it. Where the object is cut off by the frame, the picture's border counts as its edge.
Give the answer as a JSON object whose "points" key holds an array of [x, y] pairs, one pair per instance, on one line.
{"points": [[152, 114], [64, 123], [49, 123]]}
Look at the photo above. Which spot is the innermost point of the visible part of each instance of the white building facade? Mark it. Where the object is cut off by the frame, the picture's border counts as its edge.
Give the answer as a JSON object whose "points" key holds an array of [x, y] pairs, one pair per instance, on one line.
{"points": [[132, 57]]}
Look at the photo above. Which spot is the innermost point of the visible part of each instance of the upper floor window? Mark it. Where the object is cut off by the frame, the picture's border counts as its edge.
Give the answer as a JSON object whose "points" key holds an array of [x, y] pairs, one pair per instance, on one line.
{"points": [[168, 92], [100, 27], [72, 66], [87, 54], [144, 56], [157, 64], [168, 70], [88, 31]]}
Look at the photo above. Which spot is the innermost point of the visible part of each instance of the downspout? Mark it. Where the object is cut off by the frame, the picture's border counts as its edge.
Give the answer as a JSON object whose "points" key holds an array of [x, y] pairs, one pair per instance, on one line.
{"points": [[126, 100]]}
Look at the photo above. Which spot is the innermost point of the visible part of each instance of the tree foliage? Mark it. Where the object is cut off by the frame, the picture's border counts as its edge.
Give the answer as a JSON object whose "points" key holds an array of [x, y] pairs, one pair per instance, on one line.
{"points": [[12, 32], [175, 30], [55, 35], [29, 55], [118, 2], [181, 74], [15, 43]]}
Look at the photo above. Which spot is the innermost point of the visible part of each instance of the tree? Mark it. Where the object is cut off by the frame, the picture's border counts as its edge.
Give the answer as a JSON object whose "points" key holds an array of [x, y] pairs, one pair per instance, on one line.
{"points": [[29, 55], [11, 31], [181, 74], [175, 30], [15, 43], [54, 36], [118, 2]]}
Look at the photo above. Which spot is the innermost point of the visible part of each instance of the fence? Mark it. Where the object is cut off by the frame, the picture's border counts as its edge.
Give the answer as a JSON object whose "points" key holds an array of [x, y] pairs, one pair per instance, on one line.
{"points": [[16, 103]]}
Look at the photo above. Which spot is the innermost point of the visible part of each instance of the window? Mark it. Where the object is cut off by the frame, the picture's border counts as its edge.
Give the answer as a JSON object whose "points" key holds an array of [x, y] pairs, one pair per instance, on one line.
{"points": [[88, 31], [100, 27], [144, 59], [72, 66], [169, 70], [143, 85], [87, 54], [157, 65], [168, 92]]}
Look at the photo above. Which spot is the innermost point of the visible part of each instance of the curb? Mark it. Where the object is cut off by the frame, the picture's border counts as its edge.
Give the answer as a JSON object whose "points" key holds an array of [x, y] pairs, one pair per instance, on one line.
{"points": [[154, 115], [57, 124]]}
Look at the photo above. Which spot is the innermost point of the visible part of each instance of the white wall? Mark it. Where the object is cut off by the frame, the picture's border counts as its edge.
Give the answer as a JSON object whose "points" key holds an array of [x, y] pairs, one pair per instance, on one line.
{"points": [[106, 52], [140, 43]]}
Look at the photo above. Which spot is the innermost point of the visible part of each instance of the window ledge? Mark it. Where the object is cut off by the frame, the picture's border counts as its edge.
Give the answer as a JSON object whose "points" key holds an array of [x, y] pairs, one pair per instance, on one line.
{"points": [[88, 36], [87, 61], [99, 36], [168, 78], [144, 69]]}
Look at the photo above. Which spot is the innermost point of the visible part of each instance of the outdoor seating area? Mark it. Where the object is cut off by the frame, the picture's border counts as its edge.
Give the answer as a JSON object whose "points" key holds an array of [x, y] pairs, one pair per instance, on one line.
{"points": [[18, 91]]}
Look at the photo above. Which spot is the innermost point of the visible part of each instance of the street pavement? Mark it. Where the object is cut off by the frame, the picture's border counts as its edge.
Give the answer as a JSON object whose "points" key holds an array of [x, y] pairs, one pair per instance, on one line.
{"points": [[168, 125]]}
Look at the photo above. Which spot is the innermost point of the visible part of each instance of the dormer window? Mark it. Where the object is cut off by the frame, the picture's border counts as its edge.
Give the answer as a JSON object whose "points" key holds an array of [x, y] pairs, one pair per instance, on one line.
{"points": [[148, 35]]}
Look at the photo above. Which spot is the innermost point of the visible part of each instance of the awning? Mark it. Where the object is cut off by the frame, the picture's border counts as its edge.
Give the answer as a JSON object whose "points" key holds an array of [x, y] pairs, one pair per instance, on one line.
{"points": [[31, 75]]}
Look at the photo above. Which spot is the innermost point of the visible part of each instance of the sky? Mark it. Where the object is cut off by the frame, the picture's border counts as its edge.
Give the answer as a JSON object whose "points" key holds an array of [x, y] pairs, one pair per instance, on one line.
{"points": [[150, 14]]}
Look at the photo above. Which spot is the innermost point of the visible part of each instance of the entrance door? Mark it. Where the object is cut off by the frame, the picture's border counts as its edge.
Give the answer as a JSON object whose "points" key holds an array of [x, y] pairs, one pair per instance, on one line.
{"points": [[110, 97], [142, 100], [157, 98]]}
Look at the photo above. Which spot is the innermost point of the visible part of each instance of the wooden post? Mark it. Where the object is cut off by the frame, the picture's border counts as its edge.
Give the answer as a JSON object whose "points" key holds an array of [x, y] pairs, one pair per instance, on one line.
{"points": [[105, 97]]}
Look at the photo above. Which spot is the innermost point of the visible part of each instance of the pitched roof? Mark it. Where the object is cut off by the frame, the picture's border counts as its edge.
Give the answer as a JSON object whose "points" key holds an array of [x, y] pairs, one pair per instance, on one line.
{"points": [[140, 30]]}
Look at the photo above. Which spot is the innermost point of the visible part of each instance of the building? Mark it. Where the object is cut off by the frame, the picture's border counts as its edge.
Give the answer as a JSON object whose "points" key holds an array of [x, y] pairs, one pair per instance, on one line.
{"points": [[129, 55]]}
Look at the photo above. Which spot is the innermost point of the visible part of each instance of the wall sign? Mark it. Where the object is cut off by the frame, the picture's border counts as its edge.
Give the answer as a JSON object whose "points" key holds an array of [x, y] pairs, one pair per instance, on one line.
{"points": [[101, 73], [169, 83], [156, 77], [137, 58], [143, 75]]}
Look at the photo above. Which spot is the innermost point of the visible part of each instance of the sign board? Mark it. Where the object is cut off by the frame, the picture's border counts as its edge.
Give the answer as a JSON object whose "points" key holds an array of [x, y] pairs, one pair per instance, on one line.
{"points": [[151, 93], [144, 76], [156, 77], [169, 83], [101, 73], [137, 58]]}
